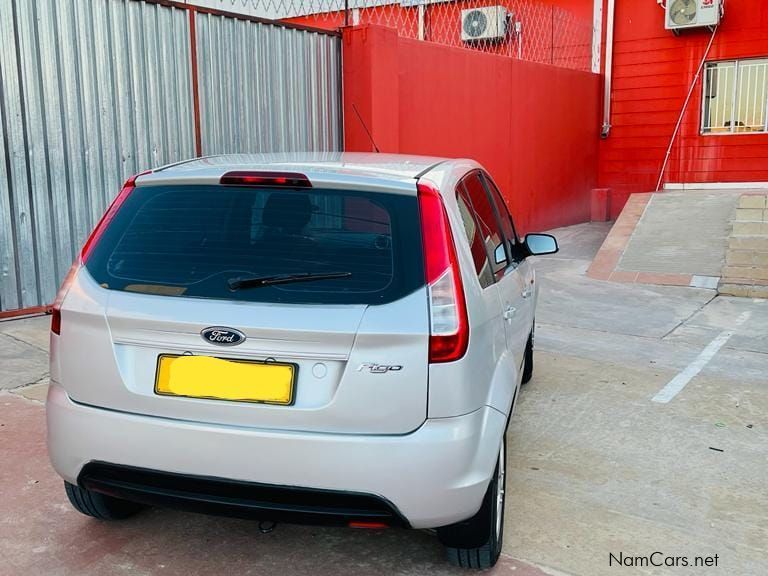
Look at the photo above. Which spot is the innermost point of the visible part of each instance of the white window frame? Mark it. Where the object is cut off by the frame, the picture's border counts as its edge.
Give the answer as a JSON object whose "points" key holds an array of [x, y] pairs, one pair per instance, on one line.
{"points": [[708, 131]]}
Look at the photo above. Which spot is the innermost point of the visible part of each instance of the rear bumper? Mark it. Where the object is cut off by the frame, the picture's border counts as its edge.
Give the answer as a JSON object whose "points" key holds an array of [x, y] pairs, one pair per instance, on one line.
{"points": [[227, 497], [432, 477]]}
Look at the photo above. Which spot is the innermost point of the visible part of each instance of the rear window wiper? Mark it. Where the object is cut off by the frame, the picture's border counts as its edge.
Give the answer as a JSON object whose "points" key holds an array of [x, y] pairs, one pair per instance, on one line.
{"points": [[258, 281]]}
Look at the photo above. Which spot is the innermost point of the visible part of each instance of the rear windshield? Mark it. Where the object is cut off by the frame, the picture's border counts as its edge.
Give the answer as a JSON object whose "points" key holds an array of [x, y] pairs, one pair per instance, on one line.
{"points": [[195, 241]]}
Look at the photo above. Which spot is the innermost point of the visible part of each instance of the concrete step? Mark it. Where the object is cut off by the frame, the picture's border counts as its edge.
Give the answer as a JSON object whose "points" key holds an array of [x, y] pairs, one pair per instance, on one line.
{"points": [[746, 270]]}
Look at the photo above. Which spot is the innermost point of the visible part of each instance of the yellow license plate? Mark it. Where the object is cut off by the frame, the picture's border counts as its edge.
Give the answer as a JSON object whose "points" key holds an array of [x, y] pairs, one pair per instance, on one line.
{"points": [[220, 379]]}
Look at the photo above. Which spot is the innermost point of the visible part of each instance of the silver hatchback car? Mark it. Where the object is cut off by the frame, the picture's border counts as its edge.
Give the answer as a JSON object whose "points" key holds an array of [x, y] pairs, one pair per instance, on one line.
{"points": [[333, 338]]}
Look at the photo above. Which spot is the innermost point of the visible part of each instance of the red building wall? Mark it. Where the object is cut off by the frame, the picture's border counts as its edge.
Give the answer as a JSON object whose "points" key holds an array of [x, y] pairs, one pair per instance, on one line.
{"points": [[653, 70], [535, 127]]}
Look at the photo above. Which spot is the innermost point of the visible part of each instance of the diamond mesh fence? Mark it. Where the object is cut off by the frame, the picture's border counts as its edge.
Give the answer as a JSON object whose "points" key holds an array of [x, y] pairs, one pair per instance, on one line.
{"points": [[521, 29]]}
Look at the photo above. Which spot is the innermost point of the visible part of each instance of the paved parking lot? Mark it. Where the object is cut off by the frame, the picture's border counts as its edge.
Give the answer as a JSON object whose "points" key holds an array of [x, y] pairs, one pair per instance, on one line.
{"points": [[598, 470]]}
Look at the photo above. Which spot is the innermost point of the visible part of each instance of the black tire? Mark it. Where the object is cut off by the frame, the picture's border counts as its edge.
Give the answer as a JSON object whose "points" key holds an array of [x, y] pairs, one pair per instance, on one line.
{"points": [[477, 542], [98, 505], [528, 360]]}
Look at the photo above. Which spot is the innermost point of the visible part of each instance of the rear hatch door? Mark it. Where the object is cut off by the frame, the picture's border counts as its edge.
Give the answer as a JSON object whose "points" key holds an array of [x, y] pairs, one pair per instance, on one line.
{"points": [[179, 260]]}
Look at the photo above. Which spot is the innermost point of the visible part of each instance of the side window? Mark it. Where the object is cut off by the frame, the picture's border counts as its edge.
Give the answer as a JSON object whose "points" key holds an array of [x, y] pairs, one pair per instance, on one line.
{"points": [[505, 218], [476, 246], [487, 232]]}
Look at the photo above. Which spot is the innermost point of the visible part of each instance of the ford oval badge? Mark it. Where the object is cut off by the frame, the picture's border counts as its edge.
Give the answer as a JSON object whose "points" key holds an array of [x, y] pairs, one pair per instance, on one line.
{"points": [[222, 336]]}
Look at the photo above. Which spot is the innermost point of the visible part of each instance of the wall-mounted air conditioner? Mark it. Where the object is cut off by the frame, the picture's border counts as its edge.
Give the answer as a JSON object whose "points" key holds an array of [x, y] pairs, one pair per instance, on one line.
{"points": [[488, 23], [682, 14]]}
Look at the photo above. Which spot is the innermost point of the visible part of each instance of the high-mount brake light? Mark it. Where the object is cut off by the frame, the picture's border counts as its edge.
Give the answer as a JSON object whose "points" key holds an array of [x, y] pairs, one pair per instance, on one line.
{"points": [[449, 325], [266, 179]]}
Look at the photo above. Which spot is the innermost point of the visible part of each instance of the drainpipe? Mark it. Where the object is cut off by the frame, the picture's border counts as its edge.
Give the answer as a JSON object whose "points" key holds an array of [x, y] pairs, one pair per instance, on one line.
{"points": [[608, 69], [597, 34]]}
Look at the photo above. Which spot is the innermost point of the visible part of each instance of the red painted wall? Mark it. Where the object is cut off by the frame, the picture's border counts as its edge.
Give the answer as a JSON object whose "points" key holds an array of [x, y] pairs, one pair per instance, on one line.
{"points": [[653, 70], [582, 9], [534, 127], [560, 37]]}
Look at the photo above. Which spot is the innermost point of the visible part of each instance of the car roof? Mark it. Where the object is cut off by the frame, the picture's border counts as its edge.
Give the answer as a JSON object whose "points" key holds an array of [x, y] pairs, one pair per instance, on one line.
{"points": [[339, 169]]}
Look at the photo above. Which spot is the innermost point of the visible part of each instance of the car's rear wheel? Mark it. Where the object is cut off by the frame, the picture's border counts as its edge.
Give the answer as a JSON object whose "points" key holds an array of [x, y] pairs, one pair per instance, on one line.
{"points": [[528, 360], [98, 505], [476, 542]]}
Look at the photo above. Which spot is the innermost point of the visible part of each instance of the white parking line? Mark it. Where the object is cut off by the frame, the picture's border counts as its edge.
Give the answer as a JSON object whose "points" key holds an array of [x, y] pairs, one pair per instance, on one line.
{"points": [[676, 385]]}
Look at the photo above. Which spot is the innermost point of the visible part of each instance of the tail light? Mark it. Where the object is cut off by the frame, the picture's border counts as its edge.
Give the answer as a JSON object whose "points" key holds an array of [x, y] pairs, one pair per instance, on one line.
{"points": [[449, 326], [88, 247]]}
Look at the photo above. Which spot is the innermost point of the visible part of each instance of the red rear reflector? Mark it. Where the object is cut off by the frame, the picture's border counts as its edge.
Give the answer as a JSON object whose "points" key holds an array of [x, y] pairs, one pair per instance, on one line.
{"points": [[369, 525], [56, 321], [449, 325], [93, 239], [268, 179]]}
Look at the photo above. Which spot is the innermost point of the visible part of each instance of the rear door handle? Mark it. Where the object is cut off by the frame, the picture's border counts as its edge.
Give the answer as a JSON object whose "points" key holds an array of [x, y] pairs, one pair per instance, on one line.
{"points": [[509, 313]]}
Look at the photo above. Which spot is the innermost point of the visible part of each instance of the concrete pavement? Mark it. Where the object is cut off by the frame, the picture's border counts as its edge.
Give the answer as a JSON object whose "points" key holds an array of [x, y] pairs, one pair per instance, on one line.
{"points": [[23, 352], [600, 467], [669, 238], [682, 232], [596, 468]]}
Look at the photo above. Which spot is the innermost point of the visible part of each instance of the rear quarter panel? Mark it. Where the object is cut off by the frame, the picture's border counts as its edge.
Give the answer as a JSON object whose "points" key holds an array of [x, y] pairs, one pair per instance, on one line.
{"points": [[487, 374]]}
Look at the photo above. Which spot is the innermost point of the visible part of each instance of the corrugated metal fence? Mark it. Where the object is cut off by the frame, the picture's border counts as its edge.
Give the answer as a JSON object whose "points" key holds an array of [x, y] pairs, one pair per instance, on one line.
{"points": [[292, 100], [92, 91]]}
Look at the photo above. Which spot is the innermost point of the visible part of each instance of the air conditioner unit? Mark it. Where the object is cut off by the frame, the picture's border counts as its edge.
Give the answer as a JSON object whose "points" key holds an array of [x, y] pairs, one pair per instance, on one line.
{"points": [[488, 23], [683, 14]]}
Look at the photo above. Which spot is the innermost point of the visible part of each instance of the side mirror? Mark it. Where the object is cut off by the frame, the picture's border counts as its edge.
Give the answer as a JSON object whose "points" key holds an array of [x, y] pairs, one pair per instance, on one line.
{"points": [[500, 255], [540, 244]]}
